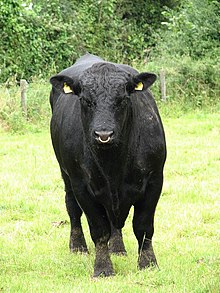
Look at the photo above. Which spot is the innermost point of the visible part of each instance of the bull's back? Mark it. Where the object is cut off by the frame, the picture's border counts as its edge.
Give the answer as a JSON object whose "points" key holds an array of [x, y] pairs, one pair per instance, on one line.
{"points": [[81, 64]]}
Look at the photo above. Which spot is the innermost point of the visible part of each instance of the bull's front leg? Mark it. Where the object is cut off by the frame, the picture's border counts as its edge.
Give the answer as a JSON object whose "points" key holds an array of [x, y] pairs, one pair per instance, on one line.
{"points": [[143, 222], [103, 265], [100, 230]]}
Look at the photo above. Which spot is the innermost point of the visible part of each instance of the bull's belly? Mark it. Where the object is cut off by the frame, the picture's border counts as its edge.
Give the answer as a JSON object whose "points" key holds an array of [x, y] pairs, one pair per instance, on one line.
{"points": [[118, 219], [118, 205]]}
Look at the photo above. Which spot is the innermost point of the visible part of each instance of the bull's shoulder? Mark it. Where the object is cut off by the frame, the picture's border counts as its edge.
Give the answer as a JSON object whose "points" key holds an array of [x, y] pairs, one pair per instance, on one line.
{"points": [[144, 104], [147, 126], [66, 121]]}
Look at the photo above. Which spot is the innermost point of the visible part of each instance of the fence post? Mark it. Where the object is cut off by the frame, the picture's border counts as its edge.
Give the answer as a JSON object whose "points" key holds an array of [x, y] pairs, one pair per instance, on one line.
{"points": [[23, 88], [163, 85]]}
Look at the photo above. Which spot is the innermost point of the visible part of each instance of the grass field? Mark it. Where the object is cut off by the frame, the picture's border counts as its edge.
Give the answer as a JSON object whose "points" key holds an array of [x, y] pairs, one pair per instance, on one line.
{"points": [[34, 255]]}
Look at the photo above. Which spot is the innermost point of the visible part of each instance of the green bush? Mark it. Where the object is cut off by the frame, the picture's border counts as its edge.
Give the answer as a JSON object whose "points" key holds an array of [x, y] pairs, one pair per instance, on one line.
{"points": [[193, 30], [190, 84], [41, 37], [38, 107]]}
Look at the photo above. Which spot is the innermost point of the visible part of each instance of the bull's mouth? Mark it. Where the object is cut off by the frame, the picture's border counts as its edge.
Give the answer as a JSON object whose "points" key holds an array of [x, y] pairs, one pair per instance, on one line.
{"points": [[104, 144], [100, 144], [100, 140]]}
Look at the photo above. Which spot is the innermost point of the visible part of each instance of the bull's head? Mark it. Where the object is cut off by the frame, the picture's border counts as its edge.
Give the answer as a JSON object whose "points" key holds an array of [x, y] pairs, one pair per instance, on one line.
{"points": [[105, 92]]}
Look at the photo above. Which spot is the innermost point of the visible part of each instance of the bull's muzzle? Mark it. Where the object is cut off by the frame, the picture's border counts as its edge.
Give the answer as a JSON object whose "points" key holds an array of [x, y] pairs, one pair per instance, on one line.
{"points": [[103, 136]]}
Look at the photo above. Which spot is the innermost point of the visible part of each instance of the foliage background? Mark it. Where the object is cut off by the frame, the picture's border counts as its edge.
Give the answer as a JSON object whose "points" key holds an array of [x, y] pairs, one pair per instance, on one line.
{"points": [[39, 38]]}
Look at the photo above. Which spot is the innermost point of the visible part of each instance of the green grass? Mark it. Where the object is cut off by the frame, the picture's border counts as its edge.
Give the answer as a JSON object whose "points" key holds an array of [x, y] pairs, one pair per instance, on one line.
{"points": [[34, 251]]}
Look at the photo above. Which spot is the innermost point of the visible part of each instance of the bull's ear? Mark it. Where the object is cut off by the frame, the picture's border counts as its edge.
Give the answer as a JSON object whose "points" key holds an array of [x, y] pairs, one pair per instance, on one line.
{"points": [[141, 82], [64, 84]]}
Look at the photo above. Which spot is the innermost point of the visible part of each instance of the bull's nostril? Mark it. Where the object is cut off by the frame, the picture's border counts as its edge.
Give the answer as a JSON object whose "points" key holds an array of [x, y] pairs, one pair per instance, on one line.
{"points": [[103, 136]]}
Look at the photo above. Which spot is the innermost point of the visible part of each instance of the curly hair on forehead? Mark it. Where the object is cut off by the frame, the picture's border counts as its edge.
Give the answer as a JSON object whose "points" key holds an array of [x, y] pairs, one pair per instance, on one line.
{"points": [[105, 76]]}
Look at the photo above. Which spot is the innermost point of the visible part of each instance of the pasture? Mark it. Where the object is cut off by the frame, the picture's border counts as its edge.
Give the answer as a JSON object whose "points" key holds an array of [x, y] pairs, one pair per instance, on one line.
{"points": [[34, 232]]}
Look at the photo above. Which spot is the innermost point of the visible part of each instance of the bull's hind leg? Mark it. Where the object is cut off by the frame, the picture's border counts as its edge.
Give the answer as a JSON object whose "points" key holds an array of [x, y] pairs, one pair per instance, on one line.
{"points": [[116, 244], [143, 222], [77, 241]]}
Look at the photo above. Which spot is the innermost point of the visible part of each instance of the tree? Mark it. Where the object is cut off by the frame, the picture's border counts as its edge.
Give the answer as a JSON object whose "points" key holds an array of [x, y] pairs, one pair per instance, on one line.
{"points": [[194, 30]]}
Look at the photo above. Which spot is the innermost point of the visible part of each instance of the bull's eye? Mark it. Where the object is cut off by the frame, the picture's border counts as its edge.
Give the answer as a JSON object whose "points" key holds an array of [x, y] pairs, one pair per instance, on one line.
{"points": [[87, 102], [121, 102]]}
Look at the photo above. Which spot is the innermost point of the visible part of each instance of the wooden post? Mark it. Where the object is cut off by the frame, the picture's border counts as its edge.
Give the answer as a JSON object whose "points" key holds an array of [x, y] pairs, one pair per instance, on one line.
{"points": [[163, 85], [23, 88]]}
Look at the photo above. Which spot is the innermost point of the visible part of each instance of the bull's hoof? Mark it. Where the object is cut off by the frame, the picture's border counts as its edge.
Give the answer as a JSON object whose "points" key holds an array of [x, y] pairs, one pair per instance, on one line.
{"points": [[147, 259], [103, 266], [78, 246], [80, 249], [105, 272], [116, 246], [119, 253], [117, 250]]}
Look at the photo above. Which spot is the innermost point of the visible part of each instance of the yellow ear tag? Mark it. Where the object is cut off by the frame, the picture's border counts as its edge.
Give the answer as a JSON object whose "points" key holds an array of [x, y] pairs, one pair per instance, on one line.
{"points": [[66, 89], [139, 86]]}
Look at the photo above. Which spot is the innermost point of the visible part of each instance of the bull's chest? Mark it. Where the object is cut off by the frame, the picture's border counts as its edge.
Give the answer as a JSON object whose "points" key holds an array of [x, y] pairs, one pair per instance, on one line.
{"points": [[120, 190], [118, 199], [116, 186]]}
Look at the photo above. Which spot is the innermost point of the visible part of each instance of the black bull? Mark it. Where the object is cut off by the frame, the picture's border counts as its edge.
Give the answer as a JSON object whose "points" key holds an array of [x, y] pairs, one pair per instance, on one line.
{"points": [[109, 141]]}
